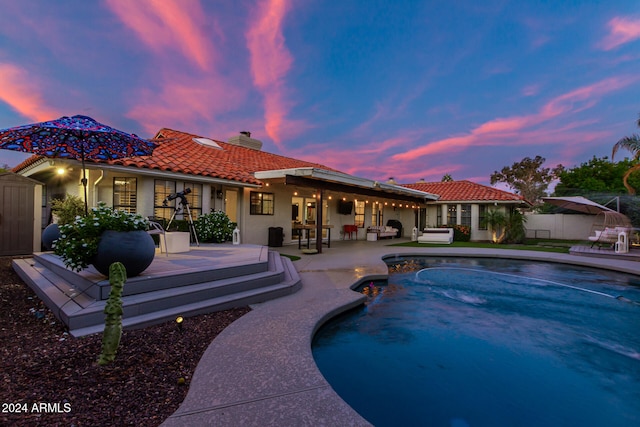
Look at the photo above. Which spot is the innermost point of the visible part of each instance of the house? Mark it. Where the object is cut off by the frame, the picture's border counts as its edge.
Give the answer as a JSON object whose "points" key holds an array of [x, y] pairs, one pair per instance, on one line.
{"points": [[259, 191], [464, 203]]}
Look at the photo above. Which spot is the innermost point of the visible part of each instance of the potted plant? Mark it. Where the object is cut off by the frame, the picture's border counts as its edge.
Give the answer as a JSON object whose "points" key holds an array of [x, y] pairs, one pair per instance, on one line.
{"points": [[64, 210], [105, 236]]}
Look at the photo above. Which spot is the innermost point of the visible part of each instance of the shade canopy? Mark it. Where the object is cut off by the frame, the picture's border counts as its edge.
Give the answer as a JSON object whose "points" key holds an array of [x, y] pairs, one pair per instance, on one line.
{"points": [[577, 203]]}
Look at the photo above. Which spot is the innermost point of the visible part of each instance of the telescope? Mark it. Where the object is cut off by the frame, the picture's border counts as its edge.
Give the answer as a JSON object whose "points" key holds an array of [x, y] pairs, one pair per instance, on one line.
{"points": [[181, 195]]}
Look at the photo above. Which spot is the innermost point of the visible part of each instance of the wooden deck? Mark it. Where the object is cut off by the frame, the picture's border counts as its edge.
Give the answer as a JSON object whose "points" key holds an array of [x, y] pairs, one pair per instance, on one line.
{"points": [[605, 252]]}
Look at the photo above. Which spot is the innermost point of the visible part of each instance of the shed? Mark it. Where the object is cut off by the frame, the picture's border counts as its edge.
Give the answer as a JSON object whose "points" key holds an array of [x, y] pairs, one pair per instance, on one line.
{"points": [[20, 214]]}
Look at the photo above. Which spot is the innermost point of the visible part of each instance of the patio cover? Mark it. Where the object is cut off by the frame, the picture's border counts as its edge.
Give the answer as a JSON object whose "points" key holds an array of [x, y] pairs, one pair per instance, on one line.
{"points": [[577, 203]]}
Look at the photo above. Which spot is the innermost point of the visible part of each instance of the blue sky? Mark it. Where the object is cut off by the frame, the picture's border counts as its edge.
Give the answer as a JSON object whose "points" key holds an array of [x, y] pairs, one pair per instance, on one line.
{"points": [[409, 89]]}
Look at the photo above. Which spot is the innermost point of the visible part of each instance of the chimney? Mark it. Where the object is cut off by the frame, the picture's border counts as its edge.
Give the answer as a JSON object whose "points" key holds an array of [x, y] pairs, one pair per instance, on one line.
{"points": [[421, 181], [391, 181], [245, 140]]}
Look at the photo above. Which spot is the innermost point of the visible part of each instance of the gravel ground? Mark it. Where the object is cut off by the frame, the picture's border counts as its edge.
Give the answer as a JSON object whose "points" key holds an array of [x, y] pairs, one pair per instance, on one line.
{"points": [[50, 378]]}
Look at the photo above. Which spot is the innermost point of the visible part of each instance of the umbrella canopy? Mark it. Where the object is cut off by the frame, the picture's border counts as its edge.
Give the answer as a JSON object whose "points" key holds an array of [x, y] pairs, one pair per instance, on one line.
{"points": [[77, 137], [577, 203]]}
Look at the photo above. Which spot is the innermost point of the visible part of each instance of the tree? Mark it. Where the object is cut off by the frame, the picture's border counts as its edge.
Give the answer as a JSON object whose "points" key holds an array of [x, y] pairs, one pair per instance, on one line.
{"points": [[5, 168], [528, 178], [598, 175], [515, 231], [632, 144], [446, 178], [496, 220]]}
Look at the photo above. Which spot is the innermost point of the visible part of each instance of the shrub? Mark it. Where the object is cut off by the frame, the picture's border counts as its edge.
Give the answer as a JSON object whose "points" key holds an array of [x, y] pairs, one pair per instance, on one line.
{"points": [[79, 239], [214, 227], [461, 233], [67, 208]]}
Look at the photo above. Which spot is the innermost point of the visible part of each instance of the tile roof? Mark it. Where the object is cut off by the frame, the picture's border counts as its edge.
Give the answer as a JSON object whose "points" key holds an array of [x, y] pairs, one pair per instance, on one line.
{"points": [[178, 152], [461, 191]]}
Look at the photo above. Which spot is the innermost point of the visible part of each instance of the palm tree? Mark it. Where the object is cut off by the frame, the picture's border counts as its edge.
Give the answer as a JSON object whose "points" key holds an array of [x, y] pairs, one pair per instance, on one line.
{"points": [[632, 144], [496, 220]]}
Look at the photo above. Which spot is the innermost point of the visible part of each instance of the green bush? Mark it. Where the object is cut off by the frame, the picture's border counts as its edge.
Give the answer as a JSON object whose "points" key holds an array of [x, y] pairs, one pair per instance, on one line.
{"points": [[461, 233], [79, 239], [67, 208], [214, 227]]}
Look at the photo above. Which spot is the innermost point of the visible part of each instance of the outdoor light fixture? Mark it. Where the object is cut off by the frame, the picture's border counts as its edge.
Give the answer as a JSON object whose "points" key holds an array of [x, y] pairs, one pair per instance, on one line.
{"points": [[60, 171], [179, 321]]}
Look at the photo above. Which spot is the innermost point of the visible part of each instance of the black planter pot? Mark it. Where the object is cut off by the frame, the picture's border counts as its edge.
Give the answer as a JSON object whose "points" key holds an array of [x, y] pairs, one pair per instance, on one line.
{"points": [[49, 235], [134, 249]]}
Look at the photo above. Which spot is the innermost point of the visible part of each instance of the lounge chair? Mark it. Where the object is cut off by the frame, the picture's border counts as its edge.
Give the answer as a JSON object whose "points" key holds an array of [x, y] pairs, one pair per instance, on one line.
{"points": [[156, 228]]}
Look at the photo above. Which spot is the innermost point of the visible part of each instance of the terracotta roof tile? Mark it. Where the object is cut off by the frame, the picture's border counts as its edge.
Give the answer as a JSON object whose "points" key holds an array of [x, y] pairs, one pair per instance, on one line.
{"points": [[178, 152], [465, 191]]}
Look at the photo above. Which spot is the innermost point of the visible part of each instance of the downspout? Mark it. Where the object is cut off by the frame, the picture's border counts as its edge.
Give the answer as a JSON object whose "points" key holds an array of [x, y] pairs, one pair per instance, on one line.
{"points": [[95, 186]]}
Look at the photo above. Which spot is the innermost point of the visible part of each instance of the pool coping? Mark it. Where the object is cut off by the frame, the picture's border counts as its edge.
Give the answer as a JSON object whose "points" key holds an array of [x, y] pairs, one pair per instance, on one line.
{"points": [[260, 370]]}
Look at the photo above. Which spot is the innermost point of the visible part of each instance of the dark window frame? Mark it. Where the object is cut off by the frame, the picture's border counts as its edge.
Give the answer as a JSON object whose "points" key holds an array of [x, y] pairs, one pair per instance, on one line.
{"points": [[482, 215], [261, 203]]}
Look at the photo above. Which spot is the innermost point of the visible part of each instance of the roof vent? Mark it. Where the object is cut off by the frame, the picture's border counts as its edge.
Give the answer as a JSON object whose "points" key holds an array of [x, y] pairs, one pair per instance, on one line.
{"points": [[392, 181], [207, 142], [245, 140]]}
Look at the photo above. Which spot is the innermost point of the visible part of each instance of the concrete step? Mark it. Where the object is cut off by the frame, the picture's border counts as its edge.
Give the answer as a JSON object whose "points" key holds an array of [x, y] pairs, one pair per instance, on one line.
{"points": [[83, 314]]}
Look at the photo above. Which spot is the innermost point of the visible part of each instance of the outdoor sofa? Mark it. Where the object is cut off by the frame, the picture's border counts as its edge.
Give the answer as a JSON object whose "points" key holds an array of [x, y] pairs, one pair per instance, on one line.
{"points": [[436, 235], [383, 231]]}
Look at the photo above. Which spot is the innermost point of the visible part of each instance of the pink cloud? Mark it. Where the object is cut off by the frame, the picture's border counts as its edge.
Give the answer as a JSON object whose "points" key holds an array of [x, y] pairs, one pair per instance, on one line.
{"points": [[22, 92], [621, 31], [183, 105], [520, 128], [531, 90], [162, 24], [270, 62]]}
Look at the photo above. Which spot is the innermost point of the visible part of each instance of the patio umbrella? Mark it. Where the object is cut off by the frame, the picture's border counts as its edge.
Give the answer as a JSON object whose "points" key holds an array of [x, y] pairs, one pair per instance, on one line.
{"points": [[577, 203], [77, 137]]}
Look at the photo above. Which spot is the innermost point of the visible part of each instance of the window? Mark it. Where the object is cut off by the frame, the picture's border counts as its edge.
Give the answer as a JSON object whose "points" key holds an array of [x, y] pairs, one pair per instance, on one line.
{"points": [[359, 217], [261, 203], [162, 190], [482, 216], [438, 215], [452, 214], [376, 214], [195, 200], [465, 215], [125, 194]]}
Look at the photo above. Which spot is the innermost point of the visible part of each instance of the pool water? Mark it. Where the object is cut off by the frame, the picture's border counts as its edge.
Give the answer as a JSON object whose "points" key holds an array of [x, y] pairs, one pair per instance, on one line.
{"points": [[488, 342]]}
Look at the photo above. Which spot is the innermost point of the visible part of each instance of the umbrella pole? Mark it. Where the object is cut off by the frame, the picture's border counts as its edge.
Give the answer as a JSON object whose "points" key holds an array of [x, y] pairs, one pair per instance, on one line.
{"points": [[84, 184]]}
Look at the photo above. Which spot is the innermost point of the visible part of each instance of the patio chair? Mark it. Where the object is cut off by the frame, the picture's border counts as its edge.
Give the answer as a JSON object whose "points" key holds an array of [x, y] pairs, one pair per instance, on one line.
{"points": [[156, 228]]}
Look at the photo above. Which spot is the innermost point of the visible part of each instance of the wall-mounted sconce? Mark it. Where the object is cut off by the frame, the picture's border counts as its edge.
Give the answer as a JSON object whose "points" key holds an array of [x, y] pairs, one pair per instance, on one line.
{"points": [[219, 194]]}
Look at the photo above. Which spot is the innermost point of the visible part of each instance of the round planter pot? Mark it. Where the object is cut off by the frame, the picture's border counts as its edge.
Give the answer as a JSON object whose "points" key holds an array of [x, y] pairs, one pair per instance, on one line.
{"points": [[134, 249], [49, 235]]}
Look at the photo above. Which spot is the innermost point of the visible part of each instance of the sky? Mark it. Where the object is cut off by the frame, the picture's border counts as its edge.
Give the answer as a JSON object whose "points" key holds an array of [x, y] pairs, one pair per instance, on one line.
{"points": [[377, 89]]}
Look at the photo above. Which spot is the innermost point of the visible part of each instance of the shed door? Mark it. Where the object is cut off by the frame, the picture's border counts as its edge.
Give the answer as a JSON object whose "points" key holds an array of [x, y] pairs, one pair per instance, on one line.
{"points": [[16, 218]]}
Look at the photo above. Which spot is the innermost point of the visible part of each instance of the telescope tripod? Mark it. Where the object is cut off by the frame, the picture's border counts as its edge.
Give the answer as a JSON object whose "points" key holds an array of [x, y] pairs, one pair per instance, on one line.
{"points": [[192, 227]]}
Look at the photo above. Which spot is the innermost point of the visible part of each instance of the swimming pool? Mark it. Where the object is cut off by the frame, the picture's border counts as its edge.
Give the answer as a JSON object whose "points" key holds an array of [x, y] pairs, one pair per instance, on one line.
{"points": [[485, 342]]}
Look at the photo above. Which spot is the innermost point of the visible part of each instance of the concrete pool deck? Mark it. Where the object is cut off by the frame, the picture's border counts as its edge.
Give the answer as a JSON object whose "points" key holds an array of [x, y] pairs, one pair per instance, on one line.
{"points": [[260, 370]]}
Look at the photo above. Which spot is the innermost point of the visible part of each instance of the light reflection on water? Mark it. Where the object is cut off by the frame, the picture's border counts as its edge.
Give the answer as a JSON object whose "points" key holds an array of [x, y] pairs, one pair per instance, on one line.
{"points": [[490, 342]]}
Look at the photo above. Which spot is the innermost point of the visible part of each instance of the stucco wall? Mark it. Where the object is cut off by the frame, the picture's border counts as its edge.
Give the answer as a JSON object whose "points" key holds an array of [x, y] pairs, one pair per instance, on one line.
{"points": [[559, 226]]}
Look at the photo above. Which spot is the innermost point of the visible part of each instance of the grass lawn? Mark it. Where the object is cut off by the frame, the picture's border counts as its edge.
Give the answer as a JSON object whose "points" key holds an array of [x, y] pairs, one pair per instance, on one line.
{"points": [[560, 246]]}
